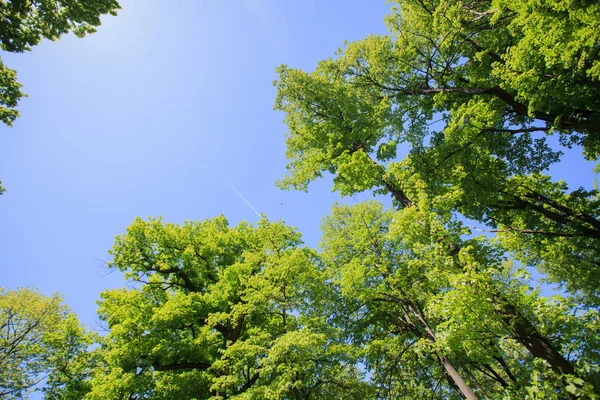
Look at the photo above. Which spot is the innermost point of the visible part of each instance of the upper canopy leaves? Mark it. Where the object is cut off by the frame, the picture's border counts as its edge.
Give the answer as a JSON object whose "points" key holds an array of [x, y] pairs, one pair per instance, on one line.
{"points": [[219, 312], [452, 105]]}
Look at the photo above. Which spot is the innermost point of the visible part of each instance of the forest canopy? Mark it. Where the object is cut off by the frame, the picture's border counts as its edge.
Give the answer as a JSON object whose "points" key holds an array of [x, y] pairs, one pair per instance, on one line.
{"points": [[454, 119]]}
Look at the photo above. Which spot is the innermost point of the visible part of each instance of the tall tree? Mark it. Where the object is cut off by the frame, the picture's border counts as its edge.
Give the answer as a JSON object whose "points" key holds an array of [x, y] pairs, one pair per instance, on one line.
{"points": [[220, 312], [454, 86], [355, 115], [40, 341], [431, 322], [387, 290]]}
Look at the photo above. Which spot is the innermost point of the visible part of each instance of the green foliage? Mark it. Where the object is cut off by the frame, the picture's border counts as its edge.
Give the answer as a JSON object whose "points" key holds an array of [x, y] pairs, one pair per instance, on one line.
{"points": [[412, 305], [10, 94], [566, 249], [458, 101], [25, 23], [219, 312], [449, 115], [40, 339]]}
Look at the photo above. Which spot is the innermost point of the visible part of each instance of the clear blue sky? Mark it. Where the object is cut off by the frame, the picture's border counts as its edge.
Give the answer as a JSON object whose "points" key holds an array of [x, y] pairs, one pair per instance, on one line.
{"points": [[145, 117]]}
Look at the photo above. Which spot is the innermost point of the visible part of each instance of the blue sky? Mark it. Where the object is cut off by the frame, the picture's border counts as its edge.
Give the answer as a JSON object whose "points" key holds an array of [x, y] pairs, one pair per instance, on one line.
{"points": [[151, 116], [145, 118]]}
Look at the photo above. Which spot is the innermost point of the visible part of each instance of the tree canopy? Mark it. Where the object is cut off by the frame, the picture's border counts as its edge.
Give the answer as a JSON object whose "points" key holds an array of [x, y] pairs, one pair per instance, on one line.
{"points": [[454, 118], [452, 115], [453, 322], [41, 341], [467, 96], [219, 312]]}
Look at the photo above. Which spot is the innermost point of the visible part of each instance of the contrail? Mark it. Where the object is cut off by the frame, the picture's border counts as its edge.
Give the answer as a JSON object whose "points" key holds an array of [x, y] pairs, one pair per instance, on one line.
{"points": [[242, 197]]}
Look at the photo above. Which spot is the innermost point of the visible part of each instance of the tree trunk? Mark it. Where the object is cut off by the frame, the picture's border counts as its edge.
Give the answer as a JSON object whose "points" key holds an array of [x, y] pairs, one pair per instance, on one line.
{"points": [[529, 336], [444, 361], [462, 386]]}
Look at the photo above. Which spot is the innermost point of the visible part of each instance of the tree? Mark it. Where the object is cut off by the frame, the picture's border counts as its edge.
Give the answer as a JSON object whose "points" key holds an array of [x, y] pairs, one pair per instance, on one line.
{"points": [[472, 92], [355, 115], [40, 341], [378, 278], [431, 322], [219, 312]]}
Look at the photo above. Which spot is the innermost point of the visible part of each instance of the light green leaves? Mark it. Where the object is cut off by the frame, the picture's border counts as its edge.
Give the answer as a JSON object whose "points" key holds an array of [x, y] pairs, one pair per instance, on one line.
{"points": [[470, 90], [10, 94], [40, 339], [218, 311]]}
